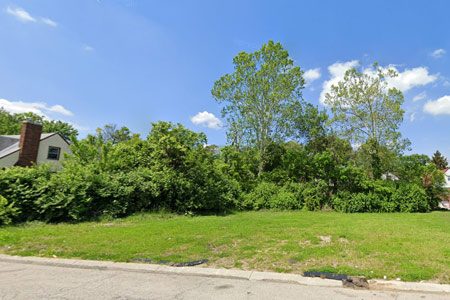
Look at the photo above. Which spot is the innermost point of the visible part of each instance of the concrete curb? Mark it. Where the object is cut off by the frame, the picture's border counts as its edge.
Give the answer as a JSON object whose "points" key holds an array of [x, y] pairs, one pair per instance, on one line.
{"points": [[221, 273]]}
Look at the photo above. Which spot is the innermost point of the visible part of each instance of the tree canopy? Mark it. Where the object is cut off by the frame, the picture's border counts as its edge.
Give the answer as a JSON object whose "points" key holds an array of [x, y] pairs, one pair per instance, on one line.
{"points": [[367, 111], [11, 124], [263, 98], [439, 160]]}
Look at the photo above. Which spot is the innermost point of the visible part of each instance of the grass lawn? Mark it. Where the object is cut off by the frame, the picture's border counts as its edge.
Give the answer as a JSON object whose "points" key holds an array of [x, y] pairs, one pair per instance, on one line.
{"points": [[412, 247]]}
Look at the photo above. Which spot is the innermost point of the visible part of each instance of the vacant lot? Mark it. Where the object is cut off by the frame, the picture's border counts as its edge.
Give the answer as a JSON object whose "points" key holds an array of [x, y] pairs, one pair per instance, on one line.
{"points": [[408, 246]]}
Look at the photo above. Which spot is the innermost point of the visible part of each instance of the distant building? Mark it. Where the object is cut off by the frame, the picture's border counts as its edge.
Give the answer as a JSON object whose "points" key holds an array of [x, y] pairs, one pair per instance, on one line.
{"points": [[32, 146]]}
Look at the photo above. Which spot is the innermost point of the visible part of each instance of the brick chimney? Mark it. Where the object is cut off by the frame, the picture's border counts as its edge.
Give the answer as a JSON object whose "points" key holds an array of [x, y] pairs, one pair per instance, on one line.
{"points": [[30, 138]]}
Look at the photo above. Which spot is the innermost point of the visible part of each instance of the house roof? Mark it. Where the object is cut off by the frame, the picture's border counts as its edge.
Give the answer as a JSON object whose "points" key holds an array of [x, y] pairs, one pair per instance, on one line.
{"points": [[445, 170], [10, 143]]}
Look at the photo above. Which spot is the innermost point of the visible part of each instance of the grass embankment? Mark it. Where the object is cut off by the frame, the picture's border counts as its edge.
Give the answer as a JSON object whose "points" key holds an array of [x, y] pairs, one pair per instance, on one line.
{"points": [[408, 246]]}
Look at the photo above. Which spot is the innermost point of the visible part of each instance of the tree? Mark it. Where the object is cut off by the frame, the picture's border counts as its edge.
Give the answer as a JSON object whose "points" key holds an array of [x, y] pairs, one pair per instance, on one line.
{"points": [[63, 128], [439, 160], [11, 124], [263, 98], [368, 112], [411, 167], [110, 133]]}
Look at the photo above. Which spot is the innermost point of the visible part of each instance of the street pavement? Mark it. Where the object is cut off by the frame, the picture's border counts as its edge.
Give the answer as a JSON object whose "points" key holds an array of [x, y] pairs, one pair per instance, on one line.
{"points": [[32, 281]]}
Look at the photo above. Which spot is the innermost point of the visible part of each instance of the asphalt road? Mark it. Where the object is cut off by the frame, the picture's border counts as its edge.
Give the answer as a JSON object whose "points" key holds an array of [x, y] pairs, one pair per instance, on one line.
{"points": [[29, 281]]}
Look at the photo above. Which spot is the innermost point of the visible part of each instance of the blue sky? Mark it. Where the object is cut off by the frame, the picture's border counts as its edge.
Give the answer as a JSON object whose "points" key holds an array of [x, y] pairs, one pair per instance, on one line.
{"points": [[130, 62]]}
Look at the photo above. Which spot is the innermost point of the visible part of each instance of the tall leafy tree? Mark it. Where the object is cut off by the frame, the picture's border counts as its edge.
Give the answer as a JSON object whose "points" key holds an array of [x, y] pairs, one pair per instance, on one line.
{"points": [[262, 97], [367, 111], [439, 160], [110, 133], [11, 124]]}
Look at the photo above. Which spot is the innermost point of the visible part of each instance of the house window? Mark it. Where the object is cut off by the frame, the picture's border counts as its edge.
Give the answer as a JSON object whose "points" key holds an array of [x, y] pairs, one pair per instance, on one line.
{"points": [[53, 153], [448, 178]]}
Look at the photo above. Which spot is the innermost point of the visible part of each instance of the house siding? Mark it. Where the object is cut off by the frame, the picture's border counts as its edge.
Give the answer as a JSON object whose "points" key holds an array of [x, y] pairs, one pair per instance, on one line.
{"points": [[54, 141], [9, 160]]}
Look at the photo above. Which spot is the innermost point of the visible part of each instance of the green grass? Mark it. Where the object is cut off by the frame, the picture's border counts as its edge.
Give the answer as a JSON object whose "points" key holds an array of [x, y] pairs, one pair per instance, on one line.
{"points": [[412, 247]]}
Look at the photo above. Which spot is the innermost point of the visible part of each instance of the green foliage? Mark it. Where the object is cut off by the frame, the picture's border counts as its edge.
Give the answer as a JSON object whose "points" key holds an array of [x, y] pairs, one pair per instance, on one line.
{"points": [[7, 211], [23, 187], [241, 165], [411, 167], [316, 195], [383, 197], [263, 98], [410, 198], [186, 172], [284, 200], [268, 195], [282, 154], [11, 124], [110, 133], [368, 112], [296, 189], [81, 192], [433, 182], [171, 170], [439, 160], [261, 197], [355, 203]]}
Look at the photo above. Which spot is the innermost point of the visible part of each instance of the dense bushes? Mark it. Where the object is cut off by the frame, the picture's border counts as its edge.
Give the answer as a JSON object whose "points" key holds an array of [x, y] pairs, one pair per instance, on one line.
{"points": [[22, 187], [7, 211], [173, 169], [403, 197]]}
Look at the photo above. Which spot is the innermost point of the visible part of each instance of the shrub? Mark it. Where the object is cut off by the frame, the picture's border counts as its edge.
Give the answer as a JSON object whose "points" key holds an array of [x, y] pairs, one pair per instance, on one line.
{"points": [[284, 200], [261, 196], [407, 197], [411, 197], [22, 187], [7, 211], [358, 202], [297, 190], [316, 195]]}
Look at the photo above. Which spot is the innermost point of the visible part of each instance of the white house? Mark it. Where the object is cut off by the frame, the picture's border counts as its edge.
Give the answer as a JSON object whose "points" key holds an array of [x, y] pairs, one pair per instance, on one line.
{"points": [[445, 203], [32, 146]]}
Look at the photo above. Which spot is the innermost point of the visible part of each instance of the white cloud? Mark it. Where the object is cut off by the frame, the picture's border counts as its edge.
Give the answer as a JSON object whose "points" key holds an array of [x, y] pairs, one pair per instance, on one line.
{"points": [[440, 106], [438, 53], [337, 72], [34, 107], [412, 117], [420, 96], [311, 75], [206, 119], [20, 14], [410, 78], [49, 22], [60, 110], [23, 16], [77, 126], [405, 80], [88, 48]]}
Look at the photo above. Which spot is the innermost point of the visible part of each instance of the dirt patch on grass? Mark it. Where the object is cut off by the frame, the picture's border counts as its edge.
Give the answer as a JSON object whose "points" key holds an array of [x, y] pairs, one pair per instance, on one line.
{"points": [[217, 249], [303, 244], [291, 261], [324, 239]]}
